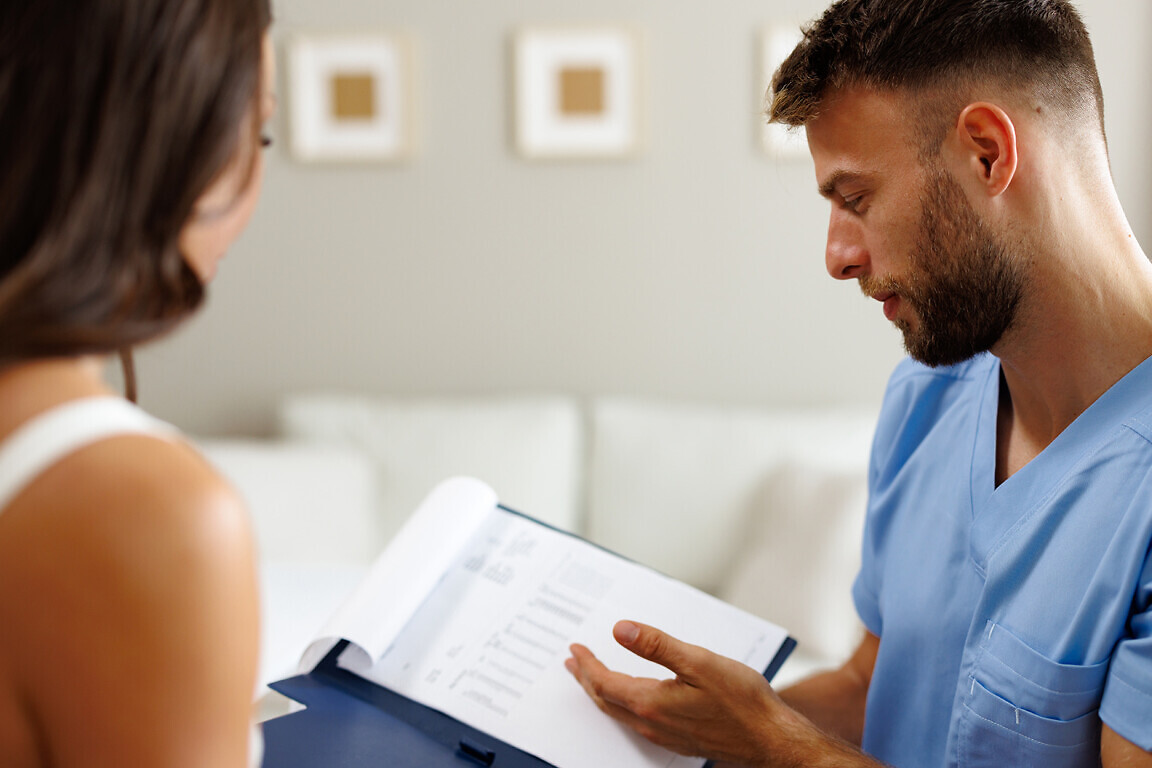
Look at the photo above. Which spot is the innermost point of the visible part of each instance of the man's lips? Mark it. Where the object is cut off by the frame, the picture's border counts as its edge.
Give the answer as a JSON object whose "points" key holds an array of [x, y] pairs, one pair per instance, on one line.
{"points": [[891, 302]]}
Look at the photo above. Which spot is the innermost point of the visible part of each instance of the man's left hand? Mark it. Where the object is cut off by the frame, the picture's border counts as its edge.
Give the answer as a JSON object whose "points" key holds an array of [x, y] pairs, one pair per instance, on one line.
{"points": [[715, 707]]}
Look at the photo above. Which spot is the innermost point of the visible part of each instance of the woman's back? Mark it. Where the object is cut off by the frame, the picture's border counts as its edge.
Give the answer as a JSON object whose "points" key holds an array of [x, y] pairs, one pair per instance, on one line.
{"points": [[127, 588]]}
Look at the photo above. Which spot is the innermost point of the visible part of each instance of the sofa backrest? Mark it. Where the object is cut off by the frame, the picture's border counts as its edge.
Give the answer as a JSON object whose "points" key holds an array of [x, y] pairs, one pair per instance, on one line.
{"points": [[530, 450], [763, 507], [673, 485]]}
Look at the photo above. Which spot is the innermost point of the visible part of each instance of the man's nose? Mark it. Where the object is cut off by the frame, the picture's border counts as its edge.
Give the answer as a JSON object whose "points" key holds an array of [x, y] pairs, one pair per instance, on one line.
{"points": [[845, 256]]}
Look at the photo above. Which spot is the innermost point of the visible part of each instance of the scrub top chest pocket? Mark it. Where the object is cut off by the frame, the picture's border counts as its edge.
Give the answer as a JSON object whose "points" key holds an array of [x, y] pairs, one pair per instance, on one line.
{"points": [[1022, 709]]}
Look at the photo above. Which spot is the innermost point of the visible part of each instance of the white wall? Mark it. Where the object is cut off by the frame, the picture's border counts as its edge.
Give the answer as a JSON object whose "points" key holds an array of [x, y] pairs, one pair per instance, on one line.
{"points": [[694, 271]]}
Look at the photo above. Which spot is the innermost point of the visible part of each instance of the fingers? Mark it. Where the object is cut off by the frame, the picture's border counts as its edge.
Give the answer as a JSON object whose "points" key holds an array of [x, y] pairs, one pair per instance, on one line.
{"points": [[599, 682], [615, 694], [626, 632], [583, 663], [650, 643]]}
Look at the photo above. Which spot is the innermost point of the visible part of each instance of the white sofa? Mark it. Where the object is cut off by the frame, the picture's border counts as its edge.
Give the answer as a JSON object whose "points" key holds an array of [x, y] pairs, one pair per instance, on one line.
{"points": [[761, 507]]}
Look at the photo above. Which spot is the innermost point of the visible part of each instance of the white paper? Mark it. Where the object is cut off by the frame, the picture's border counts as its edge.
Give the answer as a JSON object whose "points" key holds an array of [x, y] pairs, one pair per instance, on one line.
{"points": [[405, 573], [488, 645]]}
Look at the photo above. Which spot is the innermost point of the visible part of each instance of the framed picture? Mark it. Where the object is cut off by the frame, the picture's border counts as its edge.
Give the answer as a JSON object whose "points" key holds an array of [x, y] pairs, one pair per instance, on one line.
{"points": [[778, 141], [349, 97], [576, 93]]}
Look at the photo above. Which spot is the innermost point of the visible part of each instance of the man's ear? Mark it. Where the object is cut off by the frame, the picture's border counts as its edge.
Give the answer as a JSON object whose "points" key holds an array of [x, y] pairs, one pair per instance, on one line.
{"points": [[987, 140]]}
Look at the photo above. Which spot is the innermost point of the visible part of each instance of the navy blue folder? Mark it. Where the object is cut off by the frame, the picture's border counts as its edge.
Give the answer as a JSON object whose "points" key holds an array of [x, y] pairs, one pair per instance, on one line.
{"points": [[350, 722]]}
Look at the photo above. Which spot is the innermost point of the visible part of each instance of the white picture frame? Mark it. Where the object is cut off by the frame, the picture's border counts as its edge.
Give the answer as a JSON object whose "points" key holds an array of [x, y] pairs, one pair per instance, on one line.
{"points": [[778, 141], [350, 97], [576, 92]]}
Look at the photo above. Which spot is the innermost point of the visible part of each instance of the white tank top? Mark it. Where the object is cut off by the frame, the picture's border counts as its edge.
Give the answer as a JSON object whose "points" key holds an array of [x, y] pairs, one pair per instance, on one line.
{"points": [[46, 439]]}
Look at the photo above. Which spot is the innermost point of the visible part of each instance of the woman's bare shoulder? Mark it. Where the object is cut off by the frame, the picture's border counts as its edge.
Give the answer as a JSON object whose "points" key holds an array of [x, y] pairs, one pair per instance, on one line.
{"points": [[129, 564], [133, 496]]}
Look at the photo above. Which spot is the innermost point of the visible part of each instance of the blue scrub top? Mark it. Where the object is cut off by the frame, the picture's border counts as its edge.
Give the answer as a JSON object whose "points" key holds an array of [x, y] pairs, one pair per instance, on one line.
{"points": [[1014, 619]]}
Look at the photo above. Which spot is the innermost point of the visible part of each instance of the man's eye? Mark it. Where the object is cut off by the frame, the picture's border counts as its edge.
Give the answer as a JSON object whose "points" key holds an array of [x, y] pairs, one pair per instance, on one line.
{"points": [[853, 203]]}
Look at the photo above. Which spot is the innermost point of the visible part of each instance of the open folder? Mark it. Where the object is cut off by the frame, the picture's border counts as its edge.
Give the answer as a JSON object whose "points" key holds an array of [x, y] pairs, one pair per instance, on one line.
{"points": [[451, 651]]}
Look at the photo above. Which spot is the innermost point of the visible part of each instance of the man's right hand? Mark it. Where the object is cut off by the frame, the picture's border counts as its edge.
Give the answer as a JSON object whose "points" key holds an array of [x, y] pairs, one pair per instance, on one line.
{"points": [[715, 707]]}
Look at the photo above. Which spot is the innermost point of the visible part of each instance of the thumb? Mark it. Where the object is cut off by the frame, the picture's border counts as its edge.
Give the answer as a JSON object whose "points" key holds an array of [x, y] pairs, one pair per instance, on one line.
{"points": [[659, 647]]}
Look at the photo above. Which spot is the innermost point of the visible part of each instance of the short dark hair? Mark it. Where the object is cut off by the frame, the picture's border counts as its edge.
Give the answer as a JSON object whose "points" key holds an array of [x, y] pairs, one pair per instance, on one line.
{"points": [[115, 117], [944, 50]]}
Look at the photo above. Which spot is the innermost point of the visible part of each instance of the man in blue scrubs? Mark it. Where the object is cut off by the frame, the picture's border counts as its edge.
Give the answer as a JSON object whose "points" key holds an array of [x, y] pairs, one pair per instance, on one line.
{"points": [[1007, 577]]}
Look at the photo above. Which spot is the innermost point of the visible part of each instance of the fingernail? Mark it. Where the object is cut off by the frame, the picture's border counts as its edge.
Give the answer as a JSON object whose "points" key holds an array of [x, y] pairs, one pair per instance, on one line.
{"points": [[626, 632]]}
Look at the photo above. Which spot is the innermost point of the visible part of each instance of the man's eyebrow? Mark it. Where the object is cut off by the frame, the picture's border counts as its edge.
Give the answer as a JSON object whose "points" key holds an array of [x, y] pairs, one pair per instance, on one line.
{"points": [[828, 186]]}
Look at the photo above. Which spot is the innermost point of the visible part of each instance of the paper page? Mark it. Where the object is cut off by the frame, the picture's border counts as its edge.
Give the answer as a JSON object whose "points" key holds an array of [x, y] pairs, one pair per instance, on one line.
{"points": [[489, 644], [405, 573]]}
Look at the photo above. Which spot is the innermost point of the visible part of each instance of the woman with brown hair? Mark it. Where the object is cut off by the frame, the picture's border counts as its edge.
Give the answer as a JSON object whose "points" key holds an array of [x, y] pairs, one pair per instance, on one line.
{"points": [[129, 149]]}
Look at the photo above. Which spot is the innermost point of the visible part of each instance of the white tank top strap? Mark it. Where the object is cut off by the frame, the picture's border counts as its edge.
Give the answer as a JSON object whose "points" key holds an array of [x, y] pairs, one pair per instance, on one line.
{"points": [[46, 439]]}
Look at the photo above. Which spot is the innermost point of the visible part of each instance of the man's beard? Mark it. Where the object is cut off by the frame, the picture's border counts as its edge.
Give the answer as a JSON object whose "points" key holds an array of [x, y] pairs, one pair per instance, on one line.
{"points": [[963, 283]]}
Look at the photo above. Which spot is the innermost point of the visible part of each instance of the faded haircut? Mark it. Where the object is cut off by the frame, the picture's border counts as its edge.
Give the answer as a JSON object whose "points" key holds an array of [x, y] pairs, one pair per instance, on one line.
{"points": [[945, 54]]}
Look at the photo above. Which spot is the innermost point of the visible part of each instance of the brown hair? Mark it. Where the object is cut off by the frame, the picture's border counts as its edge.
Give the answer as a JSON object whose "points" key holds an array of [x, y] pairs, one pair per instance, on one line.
{"points": [[115, 116], [944, 51]]}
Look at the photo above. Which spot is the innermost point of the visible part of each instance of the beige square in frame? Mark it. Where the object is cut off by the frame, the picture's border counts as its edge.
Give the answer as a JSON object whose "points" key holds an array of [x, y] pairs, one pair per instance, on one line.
{"points": [[581, 90], [353, 95]]}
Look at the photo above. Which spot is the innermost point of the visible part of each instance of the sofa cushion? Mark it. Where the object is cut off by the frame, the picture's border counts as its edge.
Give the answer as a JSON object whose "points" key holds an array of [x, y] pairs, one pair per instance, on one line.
{"points": [[313, 510], [528, 449], [800, 554], [309, 503], [671, 484], [296, 601]]}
